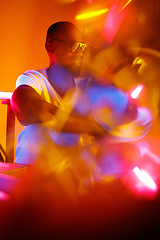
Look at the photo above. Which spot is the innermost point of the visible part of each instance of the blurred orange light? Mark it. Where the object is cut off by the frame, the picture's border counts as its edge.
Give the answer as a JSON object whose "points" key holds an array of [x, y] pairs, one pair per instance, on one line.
{"points": [[92, 14]]}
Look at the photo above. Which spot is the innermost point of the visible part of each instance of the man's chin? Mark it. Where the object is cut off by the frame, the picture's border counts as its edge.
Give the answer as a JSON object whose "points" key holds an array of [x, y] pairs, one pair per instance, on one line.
{"points": [[75, 71]]}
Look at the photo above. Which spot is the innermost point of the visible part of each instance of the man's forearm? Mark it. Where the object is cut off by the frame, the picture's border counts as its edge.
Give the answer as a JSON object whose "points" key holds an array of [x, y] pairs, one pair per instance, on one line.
{"points": [[30, 108], [76, 124]]}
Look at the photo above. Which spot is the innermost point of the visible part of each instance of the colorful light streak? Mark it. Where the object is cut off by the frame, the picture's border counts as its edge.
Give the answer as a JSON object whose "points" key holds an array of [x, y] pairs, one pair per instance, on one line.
{"points": [[113, 22], [125, 5], [91, 14], [144, 150], [136, 92], [153, 156], [145, 178]]}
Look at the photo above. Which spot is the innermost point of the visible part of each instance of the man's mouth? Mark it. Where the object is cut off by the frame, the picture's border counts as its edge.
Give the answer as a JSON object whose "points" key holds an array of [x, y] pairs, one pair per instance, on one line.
{"points": [[78, 62]]}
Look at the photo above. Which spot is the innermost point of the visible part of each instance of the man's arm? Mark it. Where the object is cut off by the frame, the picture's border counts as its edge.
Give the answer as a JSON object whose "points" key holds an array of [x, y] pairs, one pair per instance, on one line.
{"points": [[30, 108]]}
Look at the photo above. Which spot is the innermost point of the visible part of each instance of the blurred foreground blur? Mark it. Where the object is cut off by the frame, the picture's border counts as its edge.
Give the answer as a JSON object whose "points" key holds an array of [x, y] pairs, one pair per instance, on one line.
{"points": [[117, 196]]}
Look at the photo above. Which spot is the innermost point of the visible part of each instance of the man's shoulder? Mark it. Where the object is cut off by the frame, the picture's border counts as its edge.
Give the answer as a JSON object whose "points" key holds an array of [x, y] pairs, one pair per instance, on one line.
{"points": [[41, 72], [33, 78]]}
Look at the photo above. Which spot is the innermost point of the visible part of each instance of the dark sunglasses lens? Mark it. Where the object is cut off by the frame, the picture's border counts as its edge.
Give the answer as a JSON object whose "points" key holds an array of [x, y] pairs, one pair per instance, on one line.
{"points": [[85, 49], [72, 46]]}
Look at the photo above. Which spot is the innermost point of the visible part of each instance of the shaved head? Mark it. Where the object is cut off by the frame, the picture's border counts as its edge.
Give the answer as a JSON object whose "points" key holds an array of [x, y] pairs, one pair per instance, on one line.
{"points": [[61, 30], [58, 37]]}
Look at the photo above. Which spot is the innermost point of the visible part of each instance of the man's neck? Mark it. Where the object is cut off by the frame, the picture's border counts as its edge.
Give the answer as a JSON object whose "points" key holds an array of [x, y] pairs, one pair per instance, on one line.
{"points": [[60, 79]]}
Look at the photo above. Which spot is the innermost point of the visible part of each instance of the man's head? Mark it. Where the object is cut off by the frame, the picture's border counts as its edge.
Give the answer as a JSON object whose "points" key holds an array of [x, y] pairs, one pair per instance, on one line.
{"points": [[65, 46]]}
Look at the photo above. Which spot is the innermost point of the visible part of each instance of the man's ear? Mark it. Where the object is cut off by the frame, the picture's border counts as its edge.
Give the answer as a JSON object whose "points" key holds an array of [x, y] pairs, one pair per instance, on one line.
{"points": [[49, 47]]}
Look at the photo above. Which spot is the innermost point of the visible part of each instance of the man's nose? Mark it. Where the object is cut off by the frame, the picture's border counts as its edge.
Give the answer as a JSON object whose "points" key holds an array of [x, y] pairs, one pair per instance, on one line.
{"points": [[79, 51]]}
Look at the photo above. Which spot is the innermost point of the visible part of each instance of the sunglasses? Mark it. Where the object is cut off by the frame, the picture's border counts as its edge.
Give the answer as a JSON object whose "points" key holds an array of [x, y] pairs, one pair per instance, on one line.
{"points": [[74, 46]]}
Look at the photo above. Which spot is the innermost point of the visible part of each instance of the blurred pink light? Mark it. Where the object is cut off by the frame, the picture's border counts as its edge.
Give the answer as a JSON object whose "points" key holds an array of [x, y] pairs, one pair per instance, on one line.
{"points": [[145, 178], [136, 92], [113, 22], [3, 196]]}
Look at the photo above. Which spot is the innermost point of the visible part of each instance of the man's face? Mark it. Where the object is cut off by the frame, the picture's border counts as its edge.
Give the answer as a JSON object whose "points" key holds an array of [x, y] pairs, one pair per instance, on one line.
{"points": [[71, 60]]}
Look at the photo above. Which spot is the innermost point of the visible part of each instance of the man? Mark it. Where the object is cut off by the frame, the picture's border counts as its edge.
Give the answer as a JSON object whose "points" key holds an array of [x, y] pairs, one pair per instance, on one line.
{"points": [[59, 114], [43, 101], [38, 94]]}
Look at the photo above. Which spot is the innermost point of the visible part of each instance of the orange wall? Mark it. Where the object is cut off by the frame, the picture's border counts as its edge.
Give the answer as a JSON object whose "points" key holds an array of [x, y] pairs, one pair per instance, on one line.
{"points": [[23, 29]]}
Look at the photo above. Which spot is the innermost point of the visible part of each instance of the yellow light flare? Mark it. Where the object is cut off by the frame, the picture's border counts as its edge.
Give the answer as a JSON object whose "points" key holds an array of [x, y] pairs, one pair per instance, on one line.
{"points": [[92, 14], [125, 5]]}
